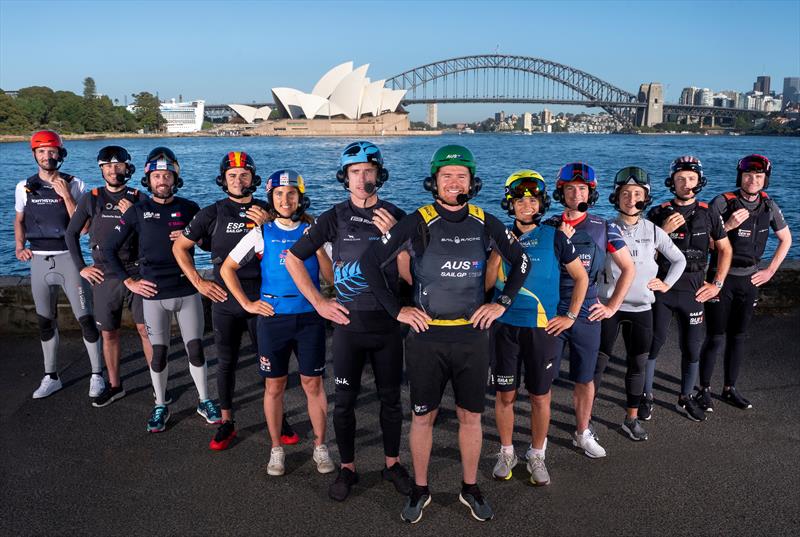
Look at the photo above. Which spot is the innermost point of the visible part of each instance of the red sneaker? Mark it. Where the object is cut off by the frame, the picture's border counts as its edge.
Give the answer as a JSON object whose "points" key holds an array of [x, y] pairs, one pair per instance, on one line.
{"points": [[225, 435]]}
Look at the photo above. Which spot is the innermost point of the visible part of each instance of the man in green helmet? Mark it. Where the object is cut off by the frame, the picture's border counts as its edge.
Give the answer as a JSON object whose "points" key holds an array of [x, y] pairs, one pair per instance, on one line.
{"points": [[449, 242]]}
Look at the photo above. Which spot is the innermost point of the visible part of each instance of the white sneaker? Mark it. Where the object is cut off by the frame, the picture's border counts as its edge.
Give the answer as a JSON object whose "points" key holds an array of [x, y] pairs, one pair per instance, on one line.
{"points": [[505, 464], [276, 462], [323, 459], [588, 444], [47, 387], [96, 385], [529, 454]]}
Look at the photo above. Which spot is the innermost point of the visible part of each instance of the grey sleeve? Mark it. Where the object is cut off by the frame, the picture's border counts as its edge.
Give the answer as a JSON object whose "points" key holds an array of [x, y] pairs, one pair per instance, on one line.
{"points": [[776, 219], [667, 248]]}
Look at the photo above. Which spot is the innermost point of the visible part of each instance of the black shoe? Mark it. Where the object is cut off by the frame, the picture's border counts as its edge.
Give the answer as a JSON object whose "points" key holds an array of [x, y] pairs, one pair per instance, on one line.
{"points": [[340, 489], [478, 506], [689, 408], [733, 397], [418, 500], [646, 407], [703, 399], [399, 477], [108, 396]]}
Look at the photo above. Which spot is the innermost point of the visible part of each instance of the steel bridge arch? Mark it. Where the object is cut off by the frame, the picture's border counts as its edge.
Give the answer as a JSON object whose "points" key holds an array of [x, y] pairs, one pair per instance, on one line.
{"points": [[596, 92]]}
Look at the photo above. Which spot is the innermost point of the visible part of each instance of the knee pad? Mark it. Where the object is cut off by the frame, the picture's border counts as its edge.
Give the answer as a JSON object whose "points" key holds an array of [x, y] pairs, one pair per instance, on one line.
{"points": [[195, 350], [159, 362], [89, 328], [641, 361], [47, 328], [344, 403]]}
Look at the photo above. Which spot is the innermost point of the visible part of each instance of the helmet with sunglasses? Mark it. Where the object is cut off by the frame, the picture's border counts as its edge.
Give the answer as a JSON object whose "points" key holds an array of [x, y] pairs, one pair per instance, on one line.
{"points": [[114, 153], [525, 183], [577, 172], [631, 175], [238, 159], [754, 164], [162, 158], [686, 163], [288, 178]]}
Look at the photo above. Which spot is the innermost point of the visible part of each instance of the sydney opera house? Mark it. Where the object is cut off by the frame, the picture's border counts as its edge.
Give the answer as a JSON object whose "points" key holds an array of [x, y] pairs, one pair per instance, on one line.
{"points": [[343, 101]]}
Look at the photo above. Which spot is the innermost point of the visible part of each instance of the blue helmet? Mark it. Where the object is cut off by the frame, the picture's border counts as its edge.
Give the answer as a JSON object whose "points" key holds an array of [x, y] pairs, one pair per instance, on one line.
{"points": [[359, 152]]}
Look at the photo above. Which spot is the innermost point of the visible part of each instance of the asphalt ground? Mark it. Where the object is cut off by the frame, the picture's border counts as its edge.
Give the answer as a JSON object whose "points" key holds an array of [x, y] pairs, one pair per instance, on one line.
{"points": [[71, 469]]}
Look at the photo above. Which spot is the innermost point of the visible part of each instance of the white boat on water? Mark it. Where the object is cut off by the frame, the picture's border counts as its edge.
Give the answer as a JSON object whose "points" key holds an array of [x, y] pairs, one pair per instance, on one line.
{"points": [[466, 130], [183, 117]]}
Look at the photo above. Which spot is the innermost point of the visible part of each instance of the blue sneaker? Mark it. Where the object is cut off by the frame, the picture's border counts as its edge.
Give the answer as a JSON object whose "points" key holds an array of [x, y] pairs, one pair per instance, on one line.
{"points": [[158, 419], [478, 506], [209, 411]]}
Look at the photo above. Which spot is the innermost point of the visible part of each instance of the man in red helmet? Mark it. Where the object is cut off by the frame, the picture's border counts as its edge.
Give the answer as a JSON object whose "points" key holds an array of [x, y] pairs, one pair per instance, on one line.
{"points": [[748, 213], [44, 204]]}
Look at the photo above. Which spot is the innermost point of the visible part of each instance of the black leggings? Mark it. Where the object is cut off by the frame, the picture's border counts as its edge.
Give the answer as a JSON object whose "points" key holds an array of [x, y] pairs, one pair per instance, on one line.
{"points": [[689, 313], [351, 351], [230, 323], [728, 316], [637, 332]]}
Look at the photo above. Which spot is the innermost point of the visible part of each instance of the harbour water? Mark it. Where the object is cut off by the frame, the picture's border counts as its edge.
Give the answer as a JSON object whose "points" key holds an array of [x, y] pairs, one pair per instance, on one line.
{"points": [[407, 160]]}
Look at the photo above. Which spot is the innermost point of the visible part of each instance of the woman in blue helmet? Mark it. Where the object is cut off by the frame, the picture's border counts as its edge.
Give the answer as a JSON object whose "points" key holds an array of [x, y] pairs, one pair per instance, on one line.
{"points": [[287, 322]]}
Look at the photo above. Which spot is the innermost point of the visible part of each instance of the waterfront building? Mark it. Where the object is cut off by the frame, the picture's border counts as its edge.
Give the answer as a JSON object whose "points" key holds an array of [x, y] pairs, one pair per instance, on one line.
{"points": [[791, 91], [761, 84], [688, 95]]}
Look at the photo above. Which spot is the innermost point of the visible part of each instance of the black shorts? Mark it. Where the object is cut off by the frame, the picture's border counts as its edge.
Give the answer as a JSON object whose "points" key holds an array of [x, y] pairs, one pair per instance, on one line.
{"points": [[431, 363], [110, 296], [515, 346], [279, 336], [352, 350]]}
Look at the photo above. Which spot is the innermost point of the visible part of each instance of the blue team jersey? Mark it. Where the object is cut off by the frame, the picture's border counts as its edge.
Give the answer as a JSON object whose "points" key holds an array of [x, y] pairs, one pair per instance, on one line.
{"points": [[277, 286], [547, 249], [594, 237]]}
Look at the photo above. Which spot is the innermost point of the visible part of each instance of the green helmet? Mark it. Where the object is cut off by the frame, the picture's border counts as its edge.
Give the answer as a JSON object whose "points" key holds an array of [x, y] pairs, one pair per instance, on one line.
{"points": [[453, 155]]}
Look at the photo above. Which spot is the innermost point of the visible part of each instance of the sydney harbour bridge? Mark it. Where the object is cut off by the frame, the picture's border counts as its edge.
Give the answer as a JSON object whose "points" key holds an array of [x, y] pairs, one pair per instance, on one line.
{"points": [[499, 78]]}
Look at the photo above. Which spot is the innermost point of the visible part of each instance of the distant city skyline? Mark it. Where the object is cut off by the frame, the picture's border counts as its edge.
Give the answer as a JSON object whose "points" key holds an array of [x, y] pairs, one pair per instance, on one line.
{"points": [[235, 52]]}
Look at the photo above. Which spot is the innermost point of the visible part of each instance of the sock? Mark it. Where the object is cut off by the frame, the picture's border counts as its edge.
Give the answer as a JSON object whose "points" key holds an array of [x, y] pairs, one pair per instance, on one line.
{"points": [[95, 355], [50, 351], [538, 452], [160, 384], [467, 487], [199, 377], [508, 450], [53, 376]]}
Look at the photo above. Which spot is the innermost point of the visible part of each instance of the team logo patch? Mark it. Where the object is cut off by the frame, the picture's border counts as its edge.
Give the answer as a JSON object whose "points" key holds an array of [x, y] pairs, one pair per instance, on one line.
{"points": [[420, 409], [264, 364]]}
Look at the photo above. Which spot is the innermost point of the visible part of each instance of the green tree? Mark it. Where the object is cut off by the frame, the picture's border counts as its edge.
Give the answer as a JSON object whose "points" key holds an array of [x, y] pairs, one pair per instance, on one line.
{"points": [[147, 111], [89, 88], [12, 120]]}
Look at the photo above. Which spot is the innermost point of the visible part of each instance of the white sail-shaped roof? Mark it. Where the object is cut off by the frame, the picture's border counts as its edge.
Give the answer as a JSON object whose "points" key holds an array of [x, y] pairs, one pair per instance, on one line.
{"points": [[310, 104], [347, 95], [390, 99], [327, 84], [288, 101], [251, 113], [371, 99]]}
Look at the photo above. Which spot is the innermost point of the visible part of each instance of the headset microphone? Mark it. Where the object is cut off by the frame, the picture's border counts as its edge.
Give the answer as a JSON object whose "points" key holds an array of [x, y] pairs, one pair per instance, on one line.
{"points": [[461, 199], [583, 207], [640, 205], [53, 164], [369, 188]]}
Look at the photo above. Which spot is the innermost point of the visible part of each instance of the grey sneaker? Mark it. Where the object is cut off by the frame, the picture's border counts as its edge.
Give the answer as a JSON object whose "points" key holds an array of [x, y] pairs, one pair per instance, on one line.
{"points": [[416, 502], [505, 464], [276, 465], [478, 506], [323, 459], [587, 442], [634, 429], [538, 471]]}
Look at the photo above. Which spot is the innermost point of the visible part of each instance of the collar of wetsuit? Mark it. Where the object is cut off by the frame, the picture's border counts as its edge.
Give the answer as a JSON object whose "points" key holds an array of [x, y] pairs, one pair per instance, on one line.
{"points": [[452, 216]]}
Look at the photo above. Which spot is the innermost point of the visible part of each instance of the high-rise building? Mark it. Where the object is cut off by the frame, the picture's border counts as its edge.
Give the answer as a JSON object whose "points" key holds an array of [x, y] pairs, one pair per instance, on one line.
{"points": [[704, 97], [762, 84], [791, 91], [432, 116], [526, 122], [687, 95], [500, 116], [547, 117]]}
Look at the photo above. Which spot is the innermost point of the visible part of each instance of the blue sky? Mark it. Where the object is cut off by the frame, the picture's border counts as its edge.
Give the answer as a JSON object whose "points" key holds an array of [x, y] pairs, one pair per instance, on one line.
{"points": [[236, 51]]}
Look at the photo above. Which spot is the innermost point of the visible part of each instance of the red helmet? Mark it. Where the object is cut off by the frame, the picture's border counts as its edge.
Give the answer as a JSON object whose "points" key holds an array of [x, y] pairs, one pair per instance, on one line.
{"points": [[48, 138]]}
